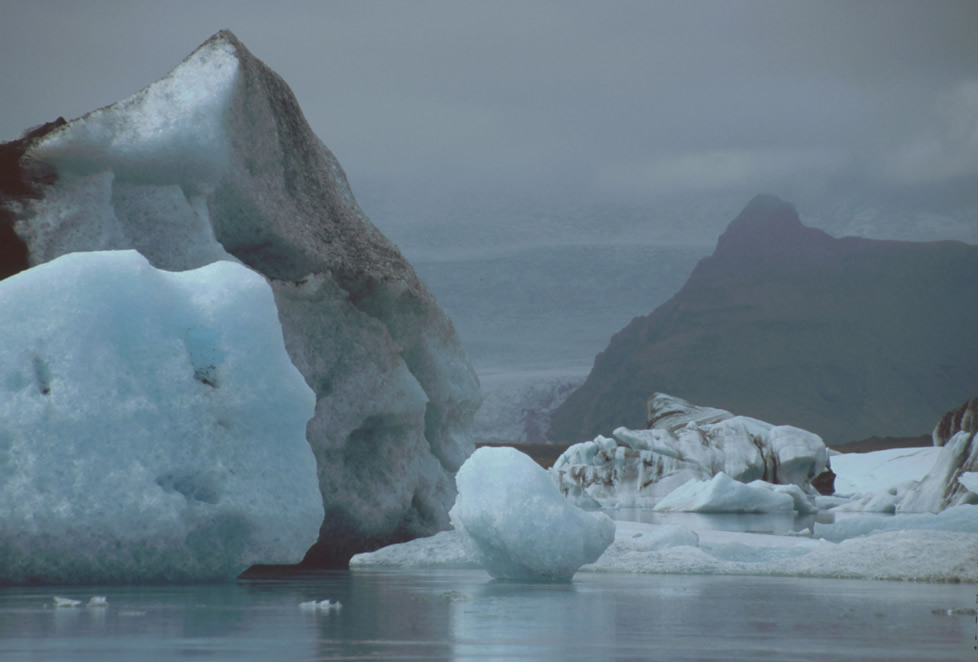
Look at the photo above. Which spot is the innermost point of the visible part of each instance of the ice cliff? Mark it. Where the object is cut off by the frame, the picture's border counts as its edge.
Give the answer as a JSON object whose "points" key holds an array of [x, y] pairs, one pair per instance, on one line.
{"points": [[152, 426], [215, 161], [688, 443]]}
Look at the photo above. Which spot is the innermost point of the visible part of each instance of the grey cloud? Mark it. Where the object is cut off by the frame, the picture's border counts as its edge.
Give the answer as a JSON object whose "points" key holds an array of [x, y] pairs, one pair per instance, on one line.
{"points": [[583, 96]]}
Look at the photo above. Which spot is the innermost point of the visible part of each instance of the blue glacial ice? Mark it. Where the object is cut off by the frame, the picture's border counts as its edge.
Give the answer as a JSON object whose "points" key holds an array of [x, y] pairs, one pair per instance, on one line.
{"points": [[518, 525], [152, 426]]}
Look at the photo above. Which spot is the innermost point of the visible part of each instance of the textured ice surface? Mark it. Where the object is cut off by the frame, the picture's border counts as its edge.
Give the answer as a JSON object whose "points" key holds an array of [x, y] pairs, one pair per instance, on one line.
{"points": [[956, 518], [914, 554], [912, 480], [861, 473], [152, 426], [517, 523], [970, 480], [659, 538], [639, 467], [940, 487], [723, 494], [216, 161], [446, 549]]}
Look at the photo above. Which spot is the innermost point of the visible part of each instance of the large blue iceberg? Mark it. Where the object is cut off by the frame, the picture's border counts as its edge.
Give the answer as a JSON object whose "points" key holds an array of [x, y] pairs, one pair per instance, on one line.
{"points": [[152, 426]]}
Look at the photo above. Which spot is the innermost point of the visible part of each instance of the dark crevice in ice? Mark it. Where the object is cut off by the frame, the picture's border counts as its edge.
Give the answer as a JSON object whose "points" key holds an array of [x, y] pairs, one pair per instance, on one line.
{"points": [[18, 183], [42, 375]]}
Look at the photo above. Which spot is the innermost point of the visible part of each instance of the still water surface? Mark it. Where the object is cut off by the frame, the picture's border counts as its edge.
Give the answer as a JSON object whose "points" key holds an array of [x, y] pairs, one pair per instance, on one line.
{"points": [[464, 615]]}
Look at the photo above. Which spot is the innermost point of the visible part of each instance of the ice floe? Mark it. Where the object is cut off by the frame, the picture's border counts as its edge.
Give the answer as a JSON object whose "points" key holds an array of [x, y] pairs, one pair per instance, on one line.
{"points": [[917, 554]]}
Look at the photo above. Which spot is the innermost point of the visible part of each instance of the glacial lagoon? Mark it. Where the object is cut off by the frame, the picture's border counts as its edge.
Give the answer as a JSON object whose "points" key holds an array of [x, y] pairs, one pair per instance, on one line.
{"points": [[465, 615]]}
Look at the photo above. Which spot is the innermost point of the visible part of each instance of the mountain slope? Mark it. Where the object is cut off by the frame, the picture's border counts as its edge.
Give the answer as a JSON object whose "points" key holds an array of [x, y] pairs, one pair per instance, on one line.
{"points": [[845, 337]]}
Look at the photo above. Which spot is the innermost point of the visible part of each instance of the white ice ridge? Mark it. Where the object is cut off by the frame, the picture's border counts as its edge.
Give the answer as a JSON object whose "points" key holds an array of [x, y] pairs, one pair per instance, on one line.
{"points": [[152, 426], [518, 525]]}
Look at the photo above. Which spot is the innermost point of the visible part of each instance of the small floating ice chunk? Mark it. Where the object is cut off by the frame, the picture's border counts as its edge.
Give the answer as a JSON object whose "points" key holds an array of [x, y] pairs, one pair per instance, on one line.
{"points": [[61, 603], [956, 611], [98, 601], [322, 605]]}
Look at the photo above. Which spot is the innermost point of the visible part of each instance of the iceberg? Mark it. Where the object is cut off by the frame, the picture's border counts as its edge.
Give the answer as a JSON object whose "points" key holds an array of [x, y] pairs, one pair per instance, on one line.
{"points": [[152, 426], [640, 467], [941, 488], [957, 457], [963, 418], [215, 161], [518, 525], [923, 480], [926, 547], [878, 471]]}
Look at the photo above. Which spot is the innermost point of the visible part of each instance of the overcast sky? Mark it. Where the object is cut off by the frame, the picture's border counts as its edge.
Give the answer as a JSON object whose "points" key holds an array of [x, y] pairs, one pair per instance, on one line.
{"points": [[610, 97]]}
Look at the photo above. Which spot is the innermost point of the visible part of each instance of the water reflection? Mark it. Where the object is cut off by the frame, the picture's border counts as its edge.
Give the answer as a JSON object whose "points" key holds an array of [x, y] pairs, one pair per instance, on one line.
{"points": [[465, 615]]}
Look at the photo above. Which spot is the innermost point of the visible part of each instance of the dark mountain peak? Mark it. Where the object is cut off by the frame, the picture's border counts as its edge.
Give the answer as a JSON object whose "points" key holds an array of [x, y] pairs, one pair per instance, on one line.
{"points": [[848, 338], [767, 225], [767, 208]]}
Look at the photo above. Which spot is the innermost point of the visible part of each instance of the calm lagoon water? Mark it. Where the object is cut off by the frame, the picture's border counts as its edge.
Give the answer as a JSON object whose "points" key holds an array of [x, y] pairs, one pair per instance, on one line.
{"points": [[464, 615]]}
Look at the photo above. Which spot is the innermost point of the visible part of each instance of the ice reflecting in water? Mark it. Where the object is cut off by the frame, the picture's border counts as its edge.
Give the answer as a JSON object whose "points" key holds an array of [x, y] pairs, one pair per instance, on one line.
{"points": [[464, 615]]}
